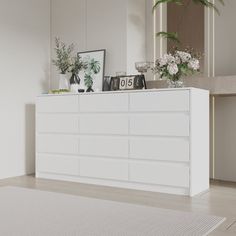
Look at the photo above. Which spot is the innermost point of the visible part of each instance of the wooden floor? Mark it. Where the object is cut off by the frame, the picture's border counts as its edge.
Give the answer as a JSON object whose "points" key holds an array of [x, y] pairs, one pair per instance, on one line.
{"points": [[220, 200]]}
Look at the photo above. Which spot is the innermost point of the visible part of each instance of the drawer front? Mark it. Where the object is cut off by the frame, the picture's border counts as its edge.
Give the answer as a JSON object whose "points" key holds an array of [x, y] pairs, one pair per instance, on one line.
{"points": [[58, 164], [107, 147], [160, 101], [104, 124], [57, 123], [64, 144], [104, 103], [104, 169], [163, 149], [166, 174], [160, 124], [67, 103]]}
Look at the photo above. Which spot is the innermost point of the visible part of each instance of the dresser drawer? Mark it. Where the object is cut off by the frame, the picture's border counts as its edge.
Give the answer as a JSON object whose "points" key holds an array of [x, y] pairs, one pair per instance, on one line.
{"points": [[163, 124], [163, 149], [63, 144], [104, 124], [104, 146], [62, 103], [160, 101], [166, 174], [57, 123], [104, 169], [57, 164], [104, 103]]}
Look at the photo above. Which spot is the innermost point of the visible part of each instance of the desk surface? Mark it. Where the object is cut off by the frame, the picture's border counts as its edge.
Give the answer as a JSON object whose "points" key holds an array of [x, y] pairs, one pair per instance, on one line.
{"points": [[225, 86]]}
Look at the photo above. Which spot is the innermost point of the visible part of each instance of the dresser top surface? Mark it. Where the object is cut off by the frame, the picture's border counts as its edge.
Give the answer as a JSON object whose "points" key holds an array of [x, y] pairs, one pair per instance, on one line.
{"points": [[125, 91]]}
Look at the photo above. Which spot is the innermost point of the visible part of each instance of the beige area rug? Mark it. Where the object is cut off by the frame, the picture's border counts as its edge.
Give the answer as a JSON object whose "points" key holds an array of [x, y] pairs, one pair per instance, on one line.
{"points": [[26, 212]]}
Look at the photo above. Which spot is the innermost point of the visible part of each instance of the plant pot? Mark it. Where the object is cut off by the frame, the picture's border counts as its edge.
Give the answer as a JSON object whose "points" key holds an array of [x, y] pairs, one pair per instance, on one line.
{"points": [[64, 82]]}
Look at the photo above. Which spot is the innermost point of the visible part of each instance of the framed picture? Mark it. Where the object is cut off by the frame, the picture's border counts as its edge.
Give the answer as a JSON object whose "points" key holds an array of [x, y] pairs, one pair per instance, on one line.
{"points": [[93, 76]]}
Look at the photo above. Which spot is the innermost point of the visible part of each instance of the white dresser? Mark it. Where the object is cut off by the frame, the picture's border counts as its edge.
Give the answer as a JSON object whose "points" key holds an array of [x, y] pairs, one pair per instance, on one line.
{"points": [[154, 140]]}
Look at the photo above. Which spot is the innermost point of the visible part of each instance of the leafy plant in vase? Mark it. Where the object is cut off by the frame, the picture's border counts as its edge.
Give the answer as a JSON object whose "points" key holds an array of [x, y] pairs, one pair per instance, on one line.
{"points": [[92, 68], [174, 66], [63, 62], [77, 65]]}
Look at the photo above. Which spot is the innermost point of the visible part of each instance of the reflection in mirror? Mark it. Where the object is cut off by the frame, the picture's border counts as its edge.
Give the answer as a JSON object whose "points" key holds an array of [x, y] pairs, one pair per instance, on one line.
{"points": [[188, 21]]}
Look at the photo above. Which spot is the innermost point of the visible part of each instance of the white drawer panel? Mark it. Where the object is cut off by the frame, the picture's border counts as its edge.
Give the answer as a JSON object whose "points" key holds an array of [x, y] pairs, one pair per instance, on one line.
{"points": [[104, 169], [104, 124], [160, 173], [64, 144], [160, 101], [57, 123], [104, 103], [165, 124], [63, 103], [108, 146], [164, 149], [58, 164]]}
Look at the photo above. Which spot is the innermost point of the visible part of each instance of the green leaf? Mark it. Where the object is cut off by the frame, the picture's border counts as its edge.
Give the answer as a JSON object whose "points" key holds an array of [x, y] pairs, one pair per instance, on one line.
{"points": [[169, 35], [209, 4], [158, 2], [205, 3]]}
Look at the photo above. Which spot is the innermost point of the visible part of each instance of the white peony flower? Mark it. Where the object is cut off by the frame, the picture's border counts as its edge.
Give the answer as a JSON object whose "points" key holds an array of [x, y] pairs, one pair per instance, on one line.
{"points": [[184, 56], [194, 64], [173, 69], [177, 60], [170, 59], [164, 60]]}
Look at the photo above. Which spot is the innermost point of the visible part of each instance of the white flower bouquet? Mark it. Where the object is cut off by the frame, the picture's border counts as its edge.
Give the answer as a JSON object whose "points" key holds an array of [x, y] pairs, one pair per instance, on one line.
{"points": [[174, 66]]}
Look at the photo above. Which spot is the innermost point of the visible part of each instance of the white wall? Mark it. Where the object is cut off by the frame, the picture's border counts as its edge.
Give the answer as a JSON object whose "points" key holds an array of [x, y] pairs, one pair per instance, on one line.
{"points": [[98, 24], [225, 110], [136, 34], [24, 57]]}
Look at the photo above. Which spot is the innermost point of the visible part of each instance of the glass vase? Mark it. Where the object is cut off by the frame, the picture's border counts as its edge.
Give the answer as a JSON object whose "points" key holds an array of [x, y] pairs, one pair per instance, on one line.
{"points": [[175, 83]]}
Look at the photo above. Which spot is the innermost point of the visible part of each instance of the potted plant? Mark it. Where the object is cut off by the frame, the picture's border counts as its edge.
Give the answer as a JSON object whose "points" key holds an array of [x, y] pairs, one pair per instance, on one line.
{"points": [[92, 68], [77, 65], [63, 62], [174, 66]]}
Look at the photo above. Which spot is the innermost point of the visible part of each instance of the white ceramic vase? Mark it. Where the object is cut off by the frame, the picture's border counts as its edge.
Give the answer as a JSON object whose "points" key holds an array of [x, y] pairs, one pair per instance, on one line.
{"points": [[64, 82], [74, 88]]}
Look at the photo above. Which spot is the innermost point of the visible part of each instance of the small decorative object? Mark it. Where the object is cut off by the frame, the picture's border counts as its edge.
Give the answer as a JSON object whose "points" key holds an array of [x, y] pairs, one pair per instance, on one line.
{"points": [[93, 74], [106, 83], [59, 91], [120, 73], [77, 65], [132, 82], [174, 66], [142, 67], [63, 62]]}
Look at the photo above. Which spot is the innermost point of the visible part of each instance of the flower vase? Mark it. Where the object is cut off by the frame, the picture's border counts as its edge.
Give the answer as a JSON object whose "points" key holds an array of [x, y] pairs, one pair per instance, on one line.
{"points": [[175, 83], [63, 82], [74, 83]]}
